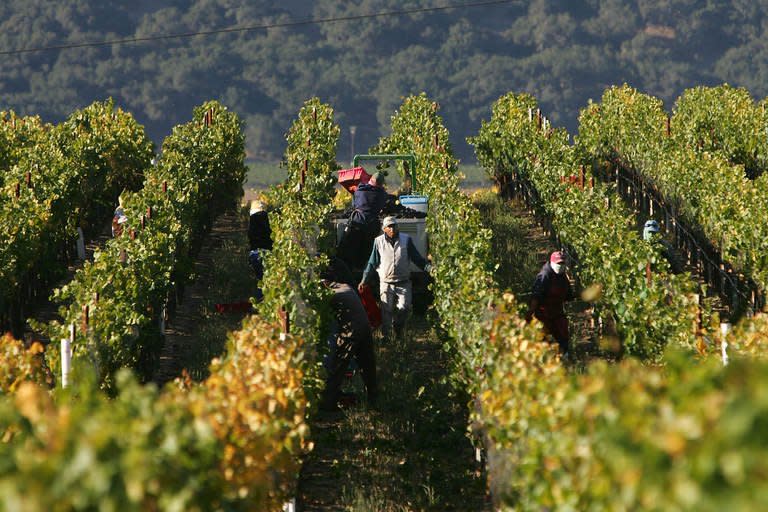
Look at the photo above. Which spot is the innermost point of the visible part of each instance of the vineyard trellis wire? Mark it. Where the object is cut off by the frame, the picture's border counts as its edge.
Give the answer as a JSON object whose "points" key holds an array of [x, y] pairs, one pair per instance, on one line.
{"points": [[708, 192]]}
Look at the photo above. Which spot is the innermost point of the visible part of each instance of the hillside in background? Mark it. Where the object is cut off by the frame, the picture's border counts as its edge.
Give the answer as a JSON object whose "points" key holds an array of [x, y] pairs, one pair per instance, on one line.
{"points": [[563, 51]]}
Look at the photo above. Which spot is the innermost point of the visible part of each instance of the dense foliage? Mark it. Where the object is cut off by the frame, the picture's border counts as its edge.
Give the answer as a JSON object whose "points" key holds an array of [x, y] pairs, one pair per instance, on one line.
{"points": [[688, 436], [127, 285], [299, 224], [593, 221], [563, 52], [230, 443], [20, 364], [17, 135], [59, 179], [726, 120], [706, 190]]}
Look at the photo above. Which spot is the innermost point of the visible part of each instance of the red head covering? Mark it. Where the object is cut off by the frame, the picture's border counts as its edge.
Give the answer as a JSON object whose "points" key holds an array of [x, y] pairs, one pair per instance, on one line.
{"points": [[557, 257]]}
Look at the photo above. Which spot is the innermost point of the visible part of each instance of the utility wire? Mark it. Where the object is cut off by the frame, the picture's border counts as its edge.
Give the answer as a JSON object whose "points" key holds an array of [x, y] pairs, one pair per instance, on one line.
{"points": [[297, 23]]}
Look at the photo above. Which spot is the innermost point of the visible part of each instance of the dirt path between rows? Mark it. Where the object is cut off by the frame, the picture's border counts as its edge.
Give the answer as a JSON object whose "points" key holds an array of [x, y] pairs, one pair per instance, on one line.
{"points": [[521, 247], [196, 332], [411, 453]]}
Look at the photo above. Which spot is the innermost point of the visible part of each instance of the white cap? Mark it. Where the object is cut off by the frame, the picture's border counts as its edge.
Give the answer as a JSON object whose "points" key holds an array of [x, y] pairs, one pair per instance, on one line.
{"points": [[256, 206], [389, 221]]}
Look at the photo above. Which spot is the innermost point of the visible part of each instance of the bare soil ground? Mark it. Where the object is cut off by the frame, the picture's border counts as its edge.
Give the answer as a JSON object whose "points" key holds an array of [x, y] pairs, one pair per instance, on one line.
{"points": [[411, 453], [196, 332]]}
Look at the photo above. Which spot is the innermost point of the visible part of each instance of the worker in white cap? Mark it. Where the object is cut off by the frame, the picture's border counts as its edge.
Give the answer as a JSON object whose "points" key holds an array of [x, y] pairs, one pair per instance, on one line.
{"points": [[391, 258]]}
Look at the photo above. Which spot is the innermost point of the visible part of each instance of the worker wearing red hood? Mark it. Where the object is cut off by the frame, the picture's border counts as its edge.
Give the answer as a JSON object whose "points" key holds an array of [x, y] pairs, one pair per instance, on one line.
{"points": [[551, 290]]}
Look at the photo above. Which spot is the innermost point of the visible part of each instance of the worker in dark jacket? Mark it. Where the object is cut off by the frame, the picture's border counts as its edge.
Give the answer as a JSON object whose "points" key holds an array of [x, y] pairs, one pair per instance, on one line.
{"points": [[652, 234], [259, 240], [551, 290], [259, 232], [353, 340], [368, 200], [391, 258]]}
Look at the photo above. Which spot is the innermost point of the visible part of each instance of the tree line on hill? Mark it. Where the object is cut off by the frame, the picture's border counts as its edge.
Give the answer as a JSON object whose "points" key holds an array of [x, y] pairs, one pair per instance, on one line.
{"points": [[563, 51]]}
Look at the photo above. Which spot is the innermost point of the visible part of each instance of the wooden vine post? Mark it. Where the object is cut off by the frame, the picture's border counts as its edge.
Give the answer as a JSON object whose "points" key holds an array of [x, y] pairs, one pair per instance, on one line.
{"points": [[85, 319], [725, 329], [285, 321]]}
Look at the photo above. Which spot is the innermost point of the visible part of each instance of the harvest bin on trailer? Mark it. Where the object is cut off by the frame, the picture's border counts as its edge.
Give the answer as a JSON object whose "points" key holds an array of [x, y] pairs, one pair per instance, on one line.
{"points": [[411, 216]]}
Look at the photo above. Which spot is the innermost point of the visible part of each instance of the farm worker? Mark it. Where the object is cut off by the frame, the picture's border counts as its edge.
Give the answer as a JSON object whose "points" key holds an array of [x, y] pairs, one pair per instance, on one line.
{"points": [[339, 272], [118, 218], [259, 240], [551, 290], [353, 339], [367, 201], [391, 257], [652, 234], [259, 232]]}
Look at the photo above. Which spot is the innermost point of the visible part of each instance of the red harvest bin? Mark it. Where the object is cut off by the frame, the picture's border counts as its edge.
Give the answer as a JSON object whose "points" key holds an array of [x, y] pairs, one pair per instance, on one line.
{"points": [[351, 178]]}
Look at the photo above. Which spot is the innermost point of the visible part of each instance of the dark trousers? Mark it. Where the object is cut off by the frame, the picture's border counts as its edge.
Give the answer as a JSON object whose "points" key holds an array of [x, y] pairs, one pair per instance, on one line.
{"points": [[356, 244], [557, 326], [347, 347]]}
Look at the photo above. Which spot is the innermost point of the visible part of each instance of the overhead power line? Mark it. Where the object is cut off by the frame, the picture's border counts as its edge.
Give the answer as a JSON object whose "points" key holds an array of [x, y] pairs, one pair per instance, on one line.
{"points": [[230, 30]]}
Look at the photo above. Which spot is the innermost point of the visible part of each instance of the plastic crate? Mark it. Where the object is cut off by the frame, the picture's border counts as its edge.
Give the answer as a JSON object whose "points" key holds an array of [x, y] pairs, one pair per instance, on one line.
{"points": [[351, 178]]}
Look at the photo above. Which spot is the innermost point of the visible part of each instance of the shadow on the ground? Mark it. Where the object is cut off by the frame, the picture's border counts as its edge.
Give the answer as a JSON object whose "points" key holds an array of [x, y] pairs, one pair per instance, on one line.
{"points": [[411, 453], [197, 332]]}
